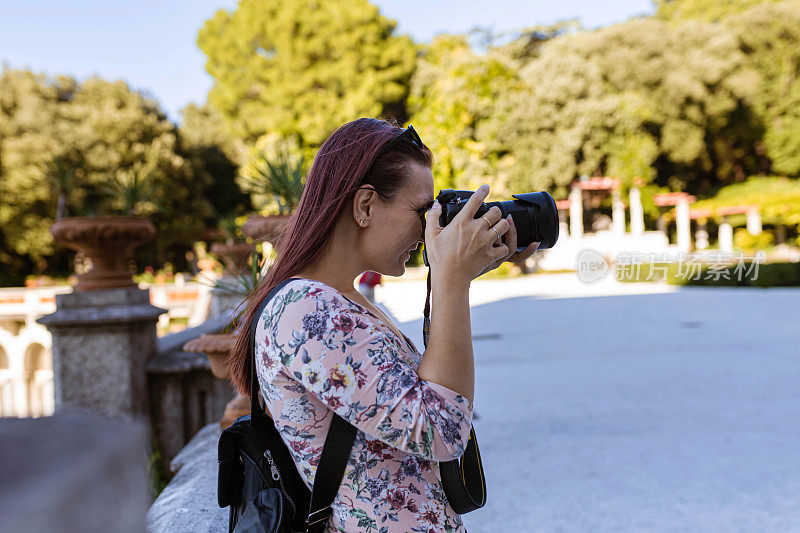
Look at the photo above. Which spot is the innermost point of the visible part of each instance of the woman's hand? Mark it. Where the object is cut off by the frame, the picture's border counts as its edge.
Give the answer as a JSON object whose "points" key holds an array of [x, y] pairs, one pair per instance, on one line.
{"points": [[513, 255], [466, 247]]}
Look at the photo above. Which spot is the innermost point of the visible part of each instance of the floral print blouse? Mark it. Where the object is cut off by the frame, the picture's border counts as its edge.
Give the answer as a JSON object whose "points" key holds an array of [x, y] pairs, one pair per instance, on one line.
{"points": [[318, 352]]}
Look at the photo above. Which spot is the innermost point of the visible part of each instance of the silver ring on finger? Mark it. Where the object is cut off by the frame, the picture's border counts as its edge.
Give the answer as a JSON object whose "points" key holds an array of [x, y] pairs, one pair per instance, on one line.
{"points": [[487, 220], [495, 230]]}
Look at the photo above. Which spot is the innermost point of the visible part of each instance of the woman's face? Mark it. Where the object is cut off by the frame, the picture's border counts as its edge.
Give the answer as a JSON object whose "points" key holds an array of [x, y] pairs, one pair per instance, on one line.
{"points": [[396, 229]]}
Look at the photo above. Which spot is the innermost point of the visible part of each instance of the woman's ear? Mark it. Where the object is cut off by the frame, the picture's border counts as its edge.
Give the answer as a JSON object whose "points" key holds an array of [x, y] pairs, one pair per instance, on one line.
{"points": [[362, 205]]}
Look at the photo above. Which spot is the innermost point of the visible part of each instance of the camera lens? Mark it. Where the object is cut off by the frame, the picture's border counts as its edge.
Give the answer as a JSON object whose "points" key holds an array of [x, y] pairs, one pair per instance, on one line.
{"points": [[534, 213]]}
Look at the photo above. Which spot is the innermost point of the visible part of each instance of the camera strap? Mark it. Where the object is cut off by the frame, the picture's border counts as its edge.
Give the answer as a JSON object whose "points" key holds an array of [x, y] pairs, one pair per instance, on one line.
{"points": [[463, 481]]}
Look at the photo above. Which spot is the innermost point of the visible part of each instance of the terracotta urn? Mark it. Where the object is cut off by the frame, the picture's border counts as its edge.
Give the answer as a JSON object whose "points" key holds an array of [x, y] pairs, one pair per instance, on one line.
{"points": [[216, 347], [108, 241], [261, 228], [235, 255], [235, 408]]}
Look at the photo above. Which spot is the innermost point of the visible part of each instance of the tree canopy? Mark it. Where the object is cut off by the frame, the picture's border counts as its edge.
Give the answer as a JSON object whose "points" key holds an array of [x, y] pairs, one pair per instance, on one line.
{"points": [[97, 132], [770, 36], [629, 98], [705, 10], [302, 68]]}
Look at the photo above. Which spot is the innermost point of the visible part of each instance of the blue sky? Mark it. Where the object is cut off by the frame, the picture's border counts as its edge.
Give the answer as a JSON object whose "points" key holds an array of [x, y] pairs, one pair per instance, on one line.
{"points": [[151, 44]]}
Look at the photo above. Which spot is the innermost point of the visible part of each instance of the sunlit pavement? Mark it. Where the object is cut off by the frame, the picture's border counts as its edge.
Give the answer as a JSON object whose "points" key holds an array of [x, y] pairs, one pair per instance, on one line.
{"points": [[631, 407]]}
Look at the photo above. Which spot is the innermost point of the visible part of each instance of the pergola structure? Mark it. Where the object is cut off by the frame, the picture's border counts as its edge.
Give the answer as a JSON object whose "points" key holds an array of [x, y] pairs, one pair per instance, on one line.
{"points": [[574, 205], [725, 233], [684, 215], [681, 201]]}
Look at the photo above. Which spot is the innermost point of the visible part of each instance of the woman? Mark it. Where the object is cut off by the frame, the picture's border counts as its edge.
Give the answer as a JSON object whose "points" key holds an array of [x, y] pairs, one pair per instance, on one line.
{"points": [[322, 347]]}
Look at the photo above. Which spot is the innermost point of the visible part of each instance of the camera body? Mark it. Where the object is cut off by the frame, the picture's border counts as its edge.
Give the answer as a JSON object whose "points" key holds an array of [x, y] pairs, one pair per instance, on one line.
{"points": [[535, 214]]}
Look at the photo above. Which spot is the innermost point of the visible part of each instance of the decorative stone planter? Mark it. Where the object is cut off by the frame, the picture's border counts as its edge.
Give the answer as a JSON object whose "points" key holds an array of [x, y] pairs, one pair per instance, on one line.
{"points": [[217, 347], [235, 254], [108, 241], [261, 228]]}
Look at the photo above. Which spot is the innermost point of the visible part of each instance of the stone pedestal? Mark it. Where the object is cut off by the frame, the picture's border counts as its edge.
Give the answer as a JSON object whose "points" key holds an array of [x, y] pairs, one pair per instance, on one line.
{"points": [[235, 408], [101, 343]]}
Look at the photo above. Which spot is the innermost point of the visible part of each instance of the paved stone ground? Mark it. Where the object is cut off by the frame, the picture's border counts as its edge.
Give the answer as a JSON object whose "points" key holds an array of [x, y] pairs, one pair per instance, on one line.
{"points": [[631, 407]]}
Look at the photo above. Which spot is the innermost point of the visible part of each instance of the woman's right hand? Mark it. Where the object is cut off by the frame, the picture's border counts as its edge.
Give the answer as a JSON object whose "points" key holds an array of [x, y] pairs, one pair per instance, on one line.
{"points": [[460, 251]]}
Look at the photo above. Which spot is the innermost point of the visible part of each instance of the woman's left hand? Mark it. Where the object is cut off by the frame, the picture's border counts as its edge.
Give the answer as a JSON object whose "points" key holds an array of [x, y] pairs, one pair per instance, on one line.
{"points": [[513, 256]]}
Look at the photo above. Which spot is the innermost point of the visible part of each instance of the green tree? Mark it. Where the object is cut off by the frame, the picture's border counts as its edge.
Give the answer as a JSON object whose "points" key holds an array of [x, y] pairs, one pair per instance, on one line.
{"points": [[770, 35], [630, 96], [705, 10], [213, 157], [303, 68], [51, 128], [85, 130], [453, 99], [452, 93]]}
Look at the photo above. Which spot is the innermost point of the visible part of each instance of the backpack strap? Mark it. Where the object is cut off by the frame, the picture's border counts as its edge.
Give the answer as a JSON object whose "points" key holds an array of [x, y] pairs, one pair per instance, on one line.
{"points": [[335, 451], [332, 463]]}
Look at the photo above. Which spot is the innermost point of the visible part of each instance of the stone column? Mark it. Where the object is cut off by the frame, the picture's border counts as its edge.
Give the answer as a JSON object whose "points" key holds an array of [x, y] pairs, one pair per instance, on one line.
{"points": [[683, 225], [563, 225], [102, 341], [725, 236], [637, 214], [754, 221], [618, 213], [661, 225], [576, 212], [701, 237]]}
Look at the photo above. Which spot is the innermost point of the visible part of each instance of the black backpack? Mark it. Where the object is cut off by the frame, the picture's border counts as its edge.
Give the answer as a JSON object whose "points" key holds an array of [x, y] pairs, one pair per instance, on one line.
{"points": [[257, 475], [258, 478]]}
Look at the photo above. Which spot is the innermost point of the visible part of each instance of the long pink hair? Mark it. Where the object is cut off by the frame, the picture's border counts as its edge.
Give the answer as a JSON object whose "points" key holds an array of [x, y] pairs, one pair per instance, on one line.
{"points": [[343, 164]]}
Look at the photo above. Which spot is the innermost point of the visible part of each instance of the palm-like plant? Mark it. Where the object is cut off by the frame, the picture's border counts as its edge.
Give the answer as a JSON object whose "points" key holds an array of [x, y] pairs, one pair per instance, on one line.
{"points": [[280, 180], [245, 283], [60, 173], [130, 189], [229, 228]]}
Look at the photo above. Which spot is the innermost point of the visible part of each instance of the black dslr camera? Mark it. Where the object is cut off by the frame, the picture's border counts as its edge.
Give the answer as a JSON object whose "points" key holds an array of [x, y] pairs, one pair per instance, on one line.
{"points": [[534, 213]]}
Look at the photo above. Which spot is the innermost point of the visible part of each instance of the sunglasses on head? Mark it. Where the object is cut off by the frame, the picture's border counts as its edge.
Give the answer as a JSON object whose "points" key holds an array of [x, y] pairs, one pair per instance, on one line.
{"points": [[409, 133]]}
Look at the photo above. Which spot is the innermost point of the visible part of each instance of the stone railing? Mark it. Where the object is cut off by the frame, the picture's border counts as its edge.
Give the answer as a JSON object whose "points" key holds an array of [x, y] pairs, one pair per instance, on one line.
{"points": [[189, 502], [184, 395]]}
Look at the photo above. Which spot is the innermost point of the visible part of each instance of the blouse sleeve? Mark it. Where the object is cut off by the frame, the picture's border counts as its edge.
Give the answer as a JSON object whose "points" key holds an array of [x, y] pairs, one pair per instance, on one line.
{"points": [[337, 353]]}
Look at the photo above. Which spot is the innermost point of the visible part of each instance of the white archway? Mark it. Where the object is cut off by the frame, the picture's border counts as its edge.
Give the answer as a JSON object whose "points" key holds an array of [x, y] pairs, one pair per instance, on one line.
{"points": [[39, 380], [7, 407]]}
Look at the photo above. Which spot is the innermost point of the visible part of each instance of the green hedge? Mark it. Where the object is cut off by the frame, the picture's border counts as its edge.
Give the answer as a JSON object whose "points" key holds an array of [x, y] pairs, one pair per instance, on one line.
{"points": [[768, 275]]}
